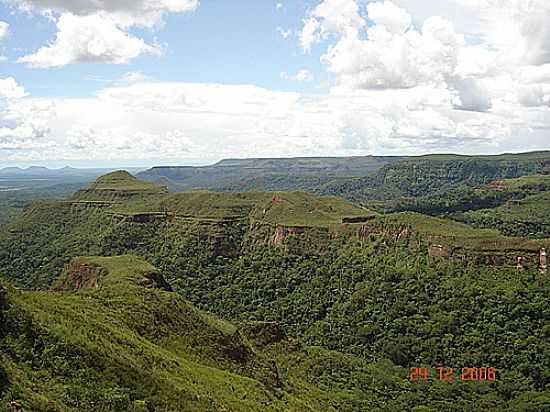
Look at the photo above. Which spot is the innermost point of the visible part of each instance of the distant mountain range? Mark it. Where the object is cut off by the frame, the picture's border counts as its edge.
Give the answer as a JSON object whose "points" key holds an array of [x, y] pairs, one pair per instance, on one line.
{"points": [[341, 175], [44, 172], [231, 171]]}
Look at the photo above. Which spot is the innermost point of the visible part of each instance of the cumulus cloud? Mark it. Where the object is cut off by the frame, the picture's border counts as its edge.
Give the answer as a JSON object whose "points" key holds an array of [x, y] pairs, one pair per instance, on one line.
{"points": [[82, 39], [330, 17], [4, 29], [470, 95], [432, 84], [394, 55], [174, 120], [24, 123], [130, 12], [98, 31], [301, 76], [404, 80], [9, 89]]}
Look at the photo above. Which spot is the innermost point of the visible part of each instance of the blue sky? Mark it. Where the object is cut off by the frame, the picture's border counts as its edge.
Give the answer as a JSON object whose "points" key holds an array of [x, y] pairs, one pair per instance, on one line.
{"points": [[114, 82], [224, 42]]}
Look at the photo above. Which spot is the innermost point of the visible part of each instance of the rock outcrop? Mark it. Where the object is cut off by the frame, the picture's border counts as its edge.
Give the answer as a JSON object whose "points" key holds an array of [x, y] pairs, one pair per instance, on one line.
{"points": [[78, 276]]}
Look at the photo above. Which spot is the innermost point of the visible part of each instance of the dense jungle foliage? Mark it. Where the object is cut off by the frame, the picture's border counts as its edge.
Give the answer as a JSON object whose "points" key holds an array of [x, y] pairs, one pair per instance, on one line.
{"points": [[334, 326]]}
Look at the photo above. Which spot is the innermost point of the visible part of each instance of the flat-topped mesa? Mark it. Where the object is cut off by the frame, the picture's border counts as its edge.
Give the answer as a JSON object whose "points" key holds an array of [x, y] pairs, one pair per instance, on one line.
{"points": [[117, 186], [94, 272]]}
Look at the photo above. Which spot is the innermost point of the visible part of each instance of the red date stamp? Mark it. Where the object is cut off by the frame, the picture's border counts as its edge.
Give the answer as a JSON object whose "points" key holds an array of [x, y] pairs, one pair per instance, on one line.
{"points": [[444, 374]]}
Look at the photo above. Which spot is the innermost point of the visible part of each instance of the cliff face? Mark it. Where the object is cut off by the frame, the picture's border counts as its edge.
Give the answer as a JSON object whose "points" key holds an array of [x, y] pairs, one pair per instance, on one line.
{"points": [[78, 276], [402, 233], [520, 259]]}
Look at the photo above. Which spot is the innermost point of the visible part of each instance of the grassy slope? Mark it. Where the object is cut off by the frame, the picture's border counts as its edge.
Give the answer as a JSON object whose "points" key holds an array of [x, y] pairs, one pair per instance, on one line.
{"points": [[59, 231], [290, 208], [461, 234], [123, 346]]}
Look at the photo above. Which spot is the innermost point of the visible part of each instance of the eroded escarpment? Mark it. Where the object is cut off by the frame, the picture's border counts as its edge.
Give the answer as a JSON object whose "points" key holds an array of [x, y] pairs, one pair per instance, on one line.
{"points": [[78, 276], [521, 259]]}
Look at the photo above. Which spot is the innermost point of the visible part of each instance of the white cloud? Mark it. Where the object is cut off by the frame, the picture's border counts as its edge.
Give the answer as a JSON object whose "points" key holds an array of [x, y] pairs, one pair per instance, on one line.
{"points": [[285, 34], [133, 77], [330, 17], [98, 30], [394, 55], [535, 95], [4, 29], [279, 6], [433, 85], [24, 123], [301, 76], [130, 12], [86, 39], [9, 89], [404, 81], [395, 19], [161, 120], [470, 95]]}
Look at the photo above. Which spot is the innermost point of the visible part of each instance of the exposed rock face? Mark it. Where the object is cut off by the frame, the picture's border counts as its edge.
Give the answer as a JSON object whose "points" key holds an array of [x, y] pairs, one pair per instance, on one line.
{"points": [[155, 280], [498, 185], [440, 252], [80, 276], [394, 232], [282, 232], [520, 259]]}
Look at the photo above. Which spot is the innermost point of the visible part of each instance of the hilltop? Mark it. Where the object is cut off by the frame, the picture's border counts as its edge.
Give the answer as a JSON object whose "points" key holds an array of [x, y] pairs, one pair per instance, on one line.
{"points": [[118, 184], [119, 213], [132, 270]]}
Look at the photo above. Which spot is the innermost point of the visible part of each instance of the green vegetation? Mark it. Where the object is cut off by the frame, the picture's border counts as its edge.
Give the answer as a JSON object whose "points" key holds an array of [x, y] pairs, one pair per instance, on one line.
{"points": [[12, 203], [370, 310], [527, 217], [126, 348], [357, 178], [514, 207], [116, 184], [436, 175], [276, 304]]}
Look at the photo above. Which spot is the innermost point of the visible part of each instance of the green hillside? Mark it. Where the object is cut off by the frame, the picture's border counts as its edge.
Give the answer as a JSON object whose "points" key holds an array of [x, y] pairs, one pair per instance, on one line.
{"points": [[123, 347], [515, 207], [357, 178], [436, 175], [118, 184], [265, 301], [526, 214]]}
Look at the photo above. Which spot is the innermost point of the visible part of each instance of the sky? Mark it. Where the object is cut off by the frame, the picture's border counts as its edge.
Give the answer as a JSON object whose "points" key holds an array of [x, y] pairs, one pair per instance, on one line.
{"points": [[150, 82]]}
